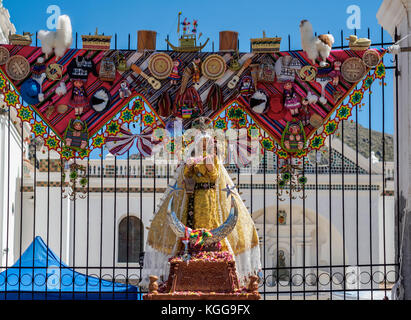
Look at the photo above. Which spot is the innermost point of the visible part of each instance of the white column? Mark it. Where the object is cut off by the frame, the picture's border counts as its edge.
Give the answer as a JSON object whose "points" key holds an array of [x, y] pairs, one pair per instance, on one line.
{"points": [[391, 15]]}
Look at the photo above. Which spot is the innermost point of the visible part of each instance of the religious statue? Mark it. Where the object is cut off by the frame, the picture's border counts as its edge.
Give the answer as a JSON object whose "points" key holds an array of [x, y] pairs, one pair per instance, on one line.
{"points": [[283, 273], [201, 202]]}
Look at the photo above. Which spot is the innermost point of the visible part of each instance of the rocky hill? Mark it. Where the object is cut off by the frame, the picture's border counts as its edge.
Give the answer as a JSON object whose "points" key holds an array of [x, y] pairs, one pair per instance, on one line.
{"points": [[350, 139]]}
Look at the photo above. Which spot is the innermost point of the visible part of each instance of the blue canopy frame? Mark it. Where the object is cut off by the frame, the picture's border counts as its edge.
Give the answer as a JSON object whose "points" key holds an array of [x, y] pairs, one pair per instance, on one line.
{"points": [[40, 274]]}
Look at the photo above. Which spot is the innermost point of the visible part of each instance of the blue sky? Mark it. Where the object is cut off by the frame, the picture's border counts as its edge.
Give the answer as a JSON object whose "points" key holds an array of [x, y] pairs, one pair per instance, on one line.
{"points": [[249, 18]]}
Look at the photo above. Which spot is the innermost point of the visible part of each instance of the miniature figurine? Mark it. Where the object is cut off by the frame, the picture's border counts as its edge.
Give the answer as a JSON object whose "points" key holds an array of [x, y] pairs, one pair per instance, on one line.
{"points": [[315, 47], [336, 73], [246, 87], [291, 101], [286, 68], [38, 74], [58, 41], [121, 63], [306, 118], [294, 137], [78, 97], [124, 91], [153, 287], [267, 70], [61, 90], [175, 75], [234, 64], [358, 44], [107, 70], [196, 71], [76, 135]]}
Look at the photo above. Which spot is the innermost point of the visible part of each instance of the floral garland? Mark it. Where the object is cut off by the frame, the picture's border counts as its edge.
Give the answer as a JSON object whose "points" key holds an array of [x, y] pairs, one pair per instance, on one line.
{"points": [[206, 256]]}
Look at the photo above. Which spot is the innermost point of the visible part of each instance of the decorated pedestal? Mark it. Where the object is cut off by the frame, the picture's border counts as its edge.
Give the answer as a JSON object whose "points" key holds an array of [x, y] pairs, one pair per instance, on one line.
{"points": [[206, 276], [202, 271]]}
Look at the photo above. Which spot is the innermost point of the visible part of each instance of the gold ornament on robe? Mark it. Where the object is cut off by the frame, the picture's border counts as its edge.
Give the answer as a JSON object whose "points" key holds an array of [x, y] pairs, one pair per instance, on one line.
{"points": [[211, 209]]}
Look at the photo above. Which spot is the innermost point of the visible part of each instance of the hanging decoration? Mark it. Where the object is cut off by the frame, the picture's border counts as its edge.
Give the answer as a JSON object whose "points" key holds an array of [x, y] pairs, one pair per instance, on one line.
{"points": [[76, 188], [76, 136], [279, 92], [160, 65], [187, 40], [290, 181], [124, 140]]}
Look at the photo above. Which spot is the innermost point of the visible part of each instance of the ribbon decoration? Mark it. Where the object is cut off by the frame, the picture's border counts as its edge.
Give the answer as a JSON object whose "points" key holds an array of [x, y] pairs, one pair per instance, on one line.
{"points": [[124, 140], [242, 150], [200, 236]]}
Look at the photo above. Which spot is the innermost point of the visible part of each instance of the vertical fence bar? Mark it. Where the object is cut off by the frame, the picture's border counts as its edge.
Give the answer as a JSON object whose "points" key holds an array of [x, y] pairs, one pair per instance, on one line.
{"points": [[48, 209], [304, 274], [383, 175], [277, 223], [264, 221], [102, 172], [316, 222], [115, 224], [21, 202], [343, 195], [88, 222], [61, 222], [34, 211], [343, 207], [357, 195], [8, 199], [330, 165], [141, 201], [370, 180], [397, 165], [74, 239], [128, 206]]}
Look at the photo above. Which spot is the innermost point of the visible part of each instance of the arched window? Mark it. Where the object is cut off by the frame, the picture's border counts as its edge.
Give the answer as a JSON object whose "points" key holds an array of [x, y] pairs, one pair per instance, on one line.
{"points": [[135, 240]]}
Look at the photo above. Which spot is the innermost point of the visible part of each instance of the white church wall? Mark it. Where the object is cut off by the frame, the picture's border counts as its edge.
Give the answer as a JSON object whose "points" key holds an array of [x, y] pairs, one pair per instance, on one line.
{"points": [[47, 217], [103, 222]]}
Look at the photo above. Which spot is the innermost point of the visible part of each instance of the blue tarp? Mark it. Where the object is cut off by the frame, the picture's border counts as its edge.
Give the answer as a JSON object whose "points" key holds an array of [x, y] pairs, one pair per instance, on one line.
{"points": [[40, 274]]}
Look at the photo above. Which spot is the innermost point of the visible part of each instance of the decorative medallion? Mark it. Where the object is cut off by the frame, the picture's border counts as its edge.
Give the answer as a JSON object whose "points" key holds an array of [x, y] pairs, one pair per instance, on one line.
{"points": [[308, 73], [371, 58], [353, 70], [54, 71], [17, 67], [4, 55], [160, 65], [213, 67]]}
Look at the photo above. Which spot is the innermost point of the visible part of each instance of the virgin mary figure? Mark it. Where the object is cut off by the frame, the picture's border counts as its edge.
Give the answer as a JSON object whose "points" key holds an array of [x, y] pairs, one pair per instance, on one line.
{"points": [[201, 200]]}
